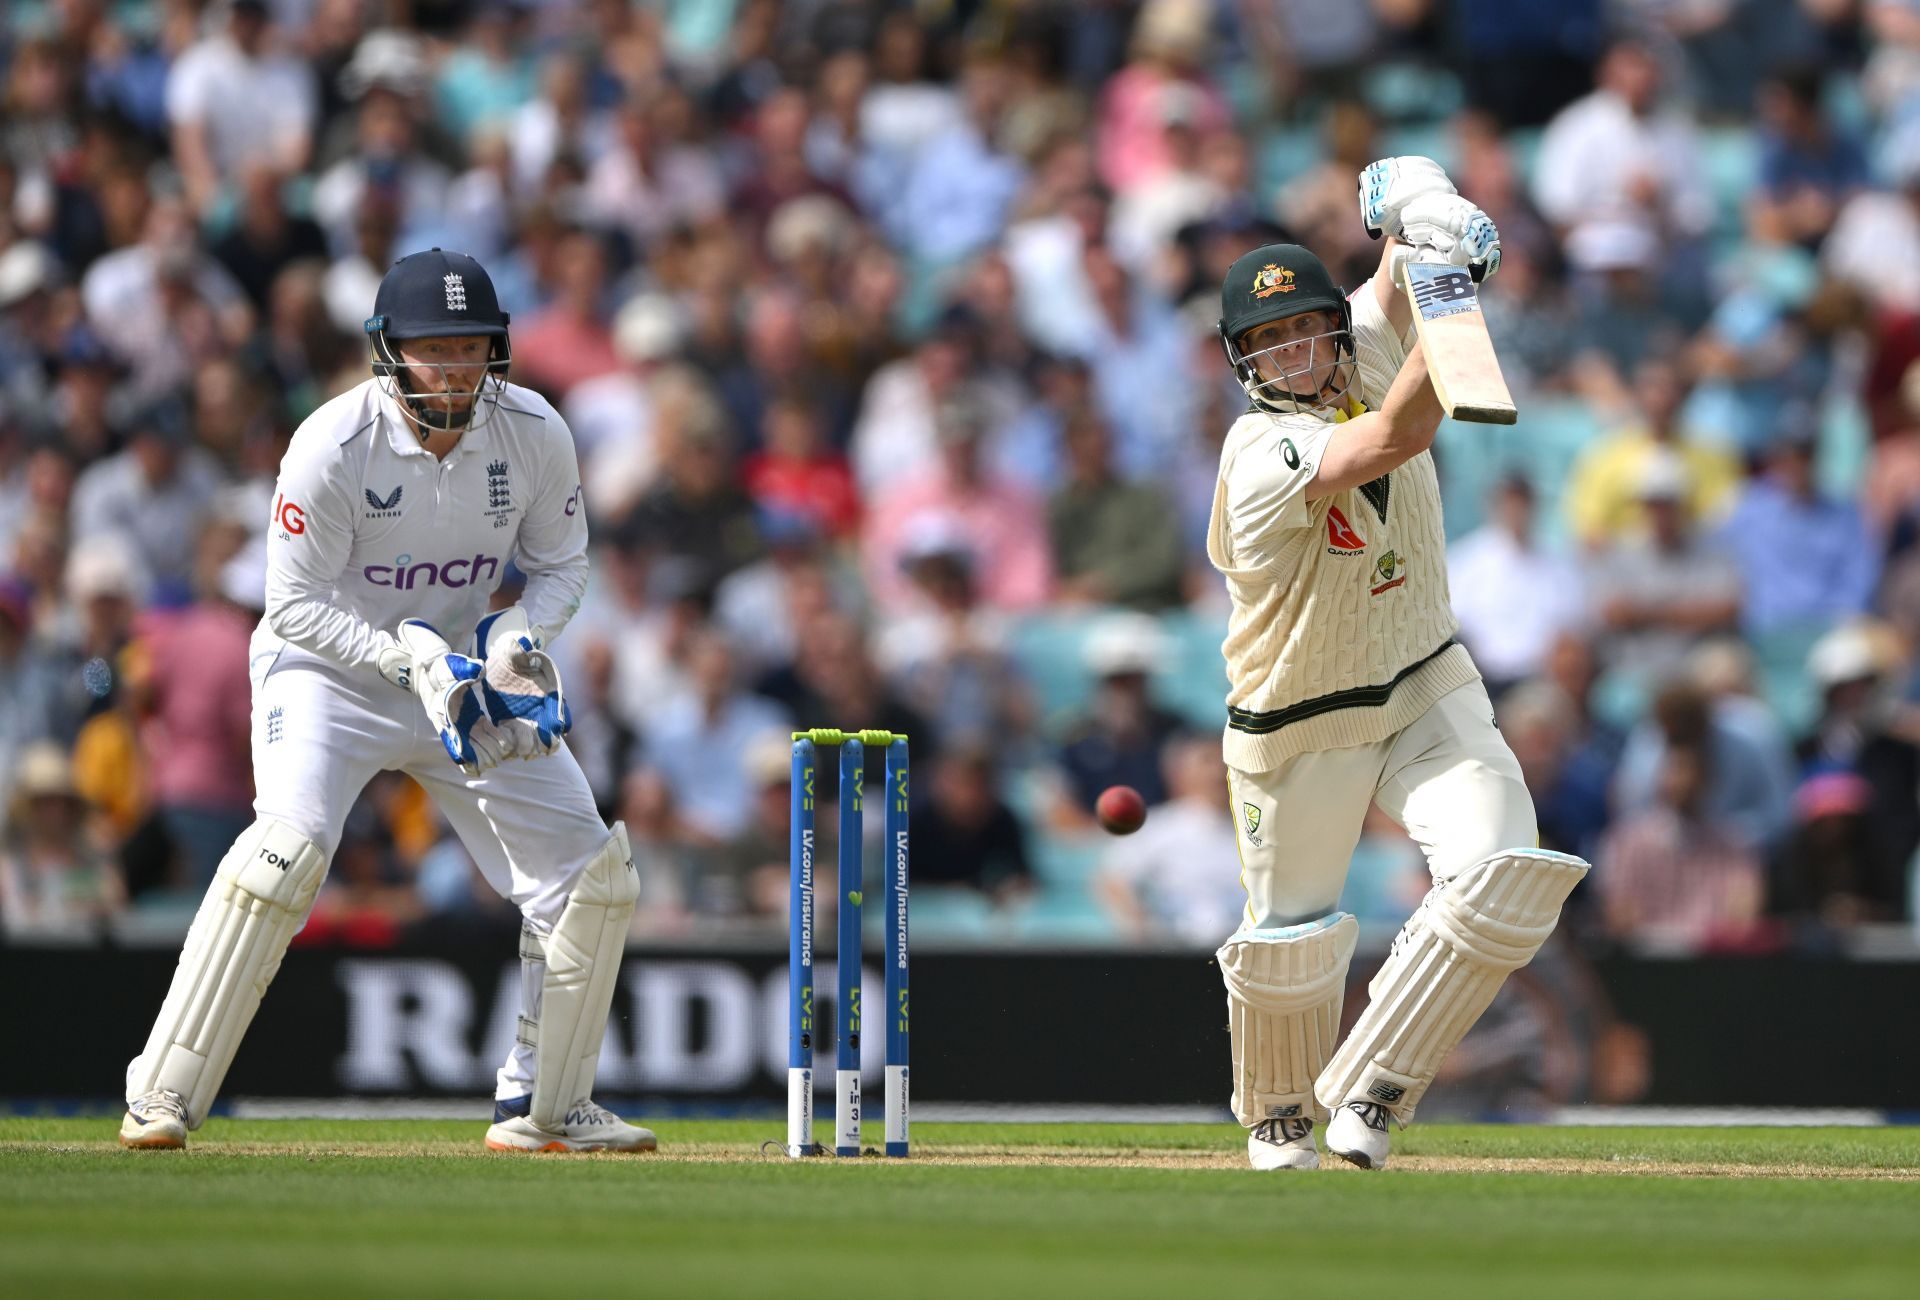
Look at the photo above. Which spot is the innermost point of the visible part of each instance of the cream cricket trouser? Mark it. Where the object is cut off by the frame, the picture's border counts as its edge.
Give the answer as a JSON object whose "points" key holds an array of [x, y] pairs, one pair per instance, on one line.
{"points": [[531, 827], [1449, 779]]}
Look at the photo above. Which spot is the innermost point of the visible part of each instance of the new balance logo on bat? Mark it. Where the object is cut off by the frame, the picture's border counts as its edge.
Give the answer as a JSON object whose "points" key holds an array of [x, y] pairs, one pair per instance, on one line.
{"points": [[1444, 294]]}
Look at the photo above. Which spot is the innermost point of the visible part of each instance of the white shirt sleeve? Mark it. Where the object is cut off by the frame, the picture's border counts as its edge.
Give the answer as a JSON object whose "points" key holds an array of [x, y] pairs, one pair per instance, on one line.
{"points": [[552, 546], [308, 541], [1267, 483], [188, 86]]}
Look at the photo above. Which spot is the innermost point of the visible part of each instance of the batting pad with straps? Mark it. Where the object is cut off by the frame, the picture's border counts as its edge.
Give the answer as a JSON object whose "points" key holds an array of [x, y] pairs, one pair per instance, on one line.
{"points": [[1284, 989], [259, 899], [1447, 963], [582, 961]]}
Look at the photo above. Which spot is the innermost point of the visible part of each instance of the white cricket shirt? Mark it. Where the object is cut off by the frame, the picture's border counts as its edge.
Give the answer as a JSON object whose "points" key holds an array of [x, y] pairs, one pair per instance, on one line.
{"points": [[369, 528]]}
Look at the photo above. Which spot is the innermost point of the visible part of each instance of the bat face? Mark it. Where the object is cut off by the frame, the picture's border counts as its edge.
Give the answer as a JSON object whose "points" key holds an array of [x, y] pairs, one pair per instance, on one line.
{"points": [[1460, 359]]}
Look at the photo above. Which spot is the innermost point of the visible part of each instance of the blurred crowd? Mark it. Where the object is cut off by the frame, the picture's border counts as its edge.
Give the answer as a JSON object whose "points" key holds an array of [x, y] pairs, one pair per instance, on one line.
{"points": [[885, 332]]}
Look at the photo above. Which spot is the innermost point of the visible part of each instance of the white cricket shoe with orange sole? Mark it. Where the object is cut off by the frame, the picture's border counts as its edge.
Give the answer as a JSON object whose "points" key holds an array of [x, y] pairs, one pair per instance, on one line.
{"points": [[156, 1121], [589, 1127]]}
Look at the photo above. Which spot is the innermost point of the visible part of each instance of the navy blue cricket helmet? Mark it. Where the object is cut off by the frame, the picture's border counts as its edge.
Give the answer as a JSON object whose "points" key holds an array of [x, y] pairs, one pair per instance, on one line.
{"points": [[437, 294]]}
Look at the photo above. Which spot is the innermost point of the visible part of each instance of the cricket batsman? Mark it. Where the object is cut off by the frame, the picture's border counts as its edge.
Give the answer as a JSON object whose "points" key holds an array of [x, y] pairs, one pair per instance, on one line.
{"points": [[400, 504], [1348, 688]]}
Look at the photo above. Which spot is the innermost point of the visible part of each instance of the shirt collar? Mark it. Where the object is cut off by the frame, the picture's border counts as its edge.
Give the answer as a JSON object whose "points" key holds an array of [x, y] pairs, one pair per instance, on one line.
{"points": [[405, 439]]}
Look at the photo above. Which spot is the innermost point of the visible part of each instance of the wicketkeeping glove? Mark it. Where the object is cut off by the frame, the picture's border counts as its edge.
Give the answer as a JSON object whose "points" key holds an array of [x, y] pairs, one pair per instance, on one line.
{"points": [[451, 689], [1387, 186], [1447, 228], [524, 696]]}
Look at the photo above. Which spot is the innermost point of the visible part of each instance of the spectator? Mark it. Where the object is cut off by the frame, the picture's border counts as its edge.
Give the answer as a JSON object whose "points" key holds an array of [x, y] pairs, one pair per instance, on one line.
{"points": [[154, 494], [1171, 40], [954, 198], [1748, 776], [1114, 542], [164, 305], [1512, 595], [645, 184], [612, 415], [1809, 167], [1660, 594], [747, 876], [1874, 244], [778, 169], [31, 683], [895, 436], [601, 741], [964, 835], [696, 511], [244, 64], [1121, 737], [665, 849], [266, 238], [1865, 728], [764, 605], [698, 740], [489, 76], [569, 341], [1832, 871], [386, 81], [1619, 155], [829, 673], [1673, 872], [799, 473], [997, 522], [949, 656], [199, 732], [1179, 876], [1806, 559], [1602, 499], [1317, 206], [1141, 358], [1567, 778], [1205, 173], [83, 402], [55, 882]]}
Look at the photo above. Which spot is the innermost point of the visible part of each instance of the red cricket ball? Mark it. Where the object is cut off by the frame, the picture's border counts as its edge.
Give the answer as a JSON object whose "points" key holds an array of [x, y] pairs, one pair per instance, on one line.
{"points": [[1120, 809]]}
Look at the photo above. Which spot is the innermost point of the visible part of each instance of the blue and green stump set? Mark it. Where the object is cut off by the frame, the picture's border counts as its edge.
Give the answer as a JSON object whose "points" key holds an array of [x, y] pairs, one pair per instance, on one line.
{"points": [[853, 747]]}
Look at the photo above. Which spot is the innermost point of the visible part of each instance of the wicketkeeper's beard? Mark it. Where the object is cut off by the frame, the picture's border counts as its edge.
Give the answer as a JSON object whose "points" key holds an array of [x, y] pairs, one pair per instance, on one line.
{"points": [[441, 412], [446, 410]]}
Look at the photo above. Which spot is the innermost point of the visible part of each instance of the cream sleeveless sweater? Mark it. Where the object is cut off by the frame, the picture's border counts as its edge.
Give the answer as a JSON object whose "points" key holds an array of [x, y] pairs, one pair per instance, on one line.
{"points": [[1341, 631]]}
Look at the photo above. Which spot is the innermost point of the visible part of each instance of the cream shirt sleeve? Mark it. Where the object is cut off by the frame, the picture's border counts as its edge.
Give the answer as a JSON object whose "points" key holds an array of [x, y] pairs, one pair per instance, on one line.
{"points": [[1266, 483]]}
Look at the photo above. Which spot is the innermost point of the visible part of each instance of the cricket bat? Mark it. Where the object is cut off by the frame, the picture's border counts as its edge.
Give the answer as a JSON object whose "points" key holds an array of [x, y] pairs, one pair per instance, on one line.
{"points": [[1460, 361]]}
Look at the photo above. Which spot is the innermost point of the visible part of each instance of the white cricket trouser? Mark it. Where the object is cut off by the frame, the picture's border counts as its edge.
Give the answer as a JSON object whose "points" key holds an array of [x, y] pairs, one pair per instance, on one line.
{"points": [[318, 738], [1449, 779]]}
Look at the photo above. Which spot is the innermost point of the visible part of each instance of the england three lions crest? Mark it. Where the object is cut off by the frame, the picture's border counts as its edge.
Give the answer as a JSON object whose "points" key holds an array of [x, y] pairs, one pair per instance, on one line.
{"points": [[500, 505]]}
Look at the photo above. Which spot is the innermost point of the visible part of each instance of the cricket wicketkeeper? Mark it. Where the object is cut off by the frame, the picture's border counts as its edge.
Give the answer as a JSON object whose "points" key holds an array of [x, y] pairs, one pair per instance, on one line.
{"points": [[1348, 688], [400, 504]]}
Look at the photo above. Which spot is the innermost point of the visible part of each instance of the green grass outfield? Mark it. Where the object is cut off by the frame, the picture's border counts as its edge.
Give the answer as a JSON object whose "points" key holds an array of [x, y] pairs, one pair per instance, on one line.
{"points": [[285, 1208]]}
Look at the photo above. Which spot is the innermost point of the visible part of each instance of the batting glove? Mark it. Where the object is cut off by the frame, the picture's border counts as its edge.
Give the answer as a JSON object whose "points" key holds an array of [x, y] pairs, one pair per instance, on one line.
{"points": [[450, 688], [1387, 186], [524, 696], [1447, 228]]}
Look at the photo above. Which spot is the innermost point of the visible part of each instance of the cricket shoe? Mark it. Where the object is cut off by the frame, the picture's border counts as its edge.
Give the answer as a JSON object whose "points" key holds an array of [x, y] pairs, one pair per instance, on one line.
{"points": [[156, 1121], [588, 1127], [1282, 1144], [1358, 1134]]}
